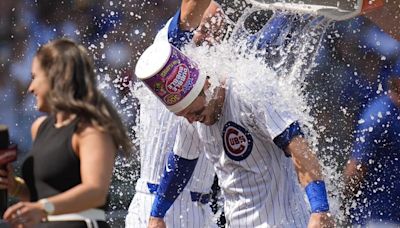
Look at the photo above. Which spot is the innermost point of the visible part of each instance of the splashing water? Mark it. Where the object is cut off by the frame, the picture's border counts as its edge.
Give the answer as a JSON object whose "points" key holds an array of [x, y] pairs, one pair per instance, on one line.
{"points": [[280, 69], [122, 31], [109, 28]]}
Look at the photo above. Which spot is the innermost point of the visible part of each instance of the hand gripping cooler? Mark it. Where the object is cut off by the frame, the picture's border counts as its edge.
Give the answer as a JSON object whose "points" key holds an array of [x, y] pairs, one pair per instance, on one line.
{"points": [[333, 9]]}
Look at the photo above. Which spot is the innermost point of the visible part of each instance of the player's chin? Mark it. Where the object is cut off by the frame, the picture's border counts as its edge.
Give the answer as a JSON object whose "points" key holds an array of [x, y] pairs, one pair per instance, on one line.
{"points": [[208, 121]]}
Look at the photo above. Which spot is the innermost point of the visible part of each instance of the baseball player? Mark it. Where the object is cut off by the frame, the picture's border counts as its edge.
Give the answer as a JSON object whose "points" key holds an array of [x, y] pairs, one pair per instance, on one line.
{"points": [[158, 131], [256, 148], [160, 134], [372, 183]]}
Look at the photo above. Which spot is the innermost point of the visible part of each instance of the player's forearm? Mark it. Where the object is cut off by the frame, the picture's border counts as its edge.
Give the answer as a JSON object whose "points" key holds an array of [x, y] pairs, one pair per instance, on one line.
{"points": [[310, 176], [353, 176], [211, 28], [387, 17], [176, 175], [192, 12], [306, 163]]}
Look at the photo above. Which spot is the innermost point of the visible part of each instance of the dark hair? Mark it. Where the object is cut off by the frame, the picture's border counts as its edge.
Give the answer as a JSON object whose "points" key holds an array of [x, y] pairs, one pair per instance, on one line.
{"points": [[73, 89]]}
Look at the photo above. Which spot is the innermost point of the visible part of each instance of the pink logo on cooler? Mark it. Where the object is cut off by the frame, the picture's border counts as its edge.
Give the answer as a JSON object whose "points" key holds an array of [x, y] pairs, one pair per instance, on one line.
{"points": [[177, 79]]}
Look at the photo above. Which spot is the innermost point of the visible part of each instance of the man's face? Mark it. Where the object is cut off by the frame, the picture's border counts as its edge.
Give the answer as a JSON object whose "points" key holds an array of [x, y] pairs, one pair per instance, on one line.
{"points": [[200, 110]]}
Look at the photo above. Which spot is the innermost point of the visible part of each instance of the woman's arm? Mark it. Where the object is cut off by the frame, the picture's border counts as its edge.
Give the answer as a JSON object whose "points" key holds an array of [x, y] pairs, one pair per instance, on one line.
{"points": [[96, 151]]}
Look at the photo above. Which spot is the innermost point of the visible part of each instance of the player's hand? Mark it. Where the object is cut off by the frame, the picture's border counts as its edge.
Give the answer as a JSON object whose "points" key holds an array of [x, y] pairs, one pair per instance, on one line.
{"points": [[321, 220], [156, 223]]}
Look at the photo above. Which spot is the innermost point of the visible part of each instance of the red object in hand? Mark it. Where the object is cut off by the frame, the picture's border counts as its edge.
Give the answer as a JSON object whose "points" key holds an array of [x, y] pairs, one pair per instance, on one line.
{"points": [[8, 152], [8, 155]]}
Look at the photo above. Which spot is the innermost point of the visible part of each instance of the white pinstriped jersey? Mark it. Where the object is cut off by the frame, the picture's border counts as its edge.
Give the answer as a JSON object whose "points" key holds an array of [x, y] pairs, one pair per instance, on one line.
{"points": [[159, 129], [167, 129], [259, 182]]}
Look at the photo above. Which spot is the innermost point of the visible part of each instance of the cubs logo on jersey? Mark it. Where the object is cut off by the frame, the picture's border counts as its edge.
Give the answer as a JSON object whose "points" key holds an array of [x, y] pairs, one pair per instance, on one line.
{"points": [[238, 142]]}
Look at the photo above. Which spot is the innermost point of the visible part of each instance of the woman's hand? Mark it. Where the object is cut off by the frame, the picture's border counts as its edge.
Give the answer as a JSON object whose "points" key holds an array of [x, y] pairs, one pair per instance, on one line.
{"points": [[25, 214], [7, 179]]}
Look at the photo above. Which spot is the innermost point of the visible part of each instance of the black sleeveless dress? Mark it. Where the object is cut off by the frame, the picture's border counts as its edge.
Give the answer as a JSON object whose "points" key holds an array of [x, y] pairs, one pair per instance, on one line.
{"points": [[52, 167]]}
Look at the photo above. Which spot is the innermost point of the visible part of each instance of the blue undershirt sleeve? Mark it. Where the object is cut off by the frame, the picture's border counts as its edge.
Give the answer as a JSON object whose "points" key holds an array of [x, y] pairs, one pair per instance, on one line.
{"points": [[177, 174], [176, 36], [283, 140]]}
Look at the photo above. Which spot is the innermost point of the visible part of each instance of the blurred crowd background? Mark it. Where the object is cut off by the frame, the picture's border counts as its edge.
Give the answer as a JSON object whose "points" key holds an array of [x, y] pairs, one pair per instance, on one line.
{"points": [[115, 33], [353, 62]]}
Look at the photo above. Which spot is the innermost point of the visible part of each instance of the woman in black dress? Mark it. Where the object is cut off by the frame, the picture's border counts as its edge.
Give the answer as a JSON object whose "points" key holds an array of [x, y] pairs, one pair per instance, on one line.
{"points": [[66, 176]]}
